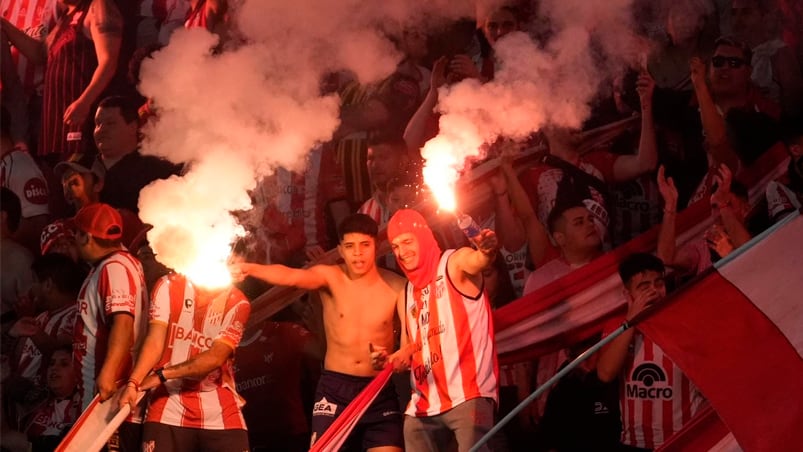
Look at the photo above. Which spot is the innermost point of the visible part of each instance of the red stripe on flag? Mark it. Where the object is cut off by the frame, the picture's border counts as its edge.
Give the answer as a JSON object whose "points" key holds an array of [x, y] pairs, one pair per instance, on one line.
{"points": [[738, 358], [339, 430]]}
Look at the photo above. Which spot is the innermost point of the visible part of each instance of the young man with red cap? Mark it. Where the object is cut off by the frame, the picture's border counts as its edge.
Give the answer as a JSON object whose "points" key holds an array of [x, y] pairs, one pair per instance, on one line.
{"points": [[447, 331], [111, 304]]}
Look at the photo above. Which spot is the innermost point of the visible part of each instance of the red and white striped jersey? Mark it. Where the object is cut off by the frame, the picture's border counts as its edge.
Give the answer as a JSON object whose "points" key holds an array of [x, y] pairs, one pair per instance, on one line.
{"points": [[196, 16], [58, 323], [196, 319], [115, 286], [656, 398], [36, 18], [542, 181], [456, 360], [54, 416], [374, 208]]}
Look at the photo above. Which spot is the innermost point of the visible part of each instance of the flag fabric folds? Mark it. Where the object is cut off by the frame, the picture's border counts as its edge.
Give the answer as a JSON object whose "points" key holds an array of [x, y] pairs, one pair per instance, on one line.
{"points": [[336, 434], [737, 333]]}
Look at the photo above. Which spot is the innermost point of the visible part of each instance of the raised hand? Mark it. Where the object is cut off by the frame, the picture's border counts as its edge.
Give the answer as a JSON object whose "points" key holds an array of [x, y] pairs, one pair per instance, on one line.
{"points": [[668, 190], [722, 196], [697, 69], [645, 87], [461, 67], [487, 242], [438, 77]]}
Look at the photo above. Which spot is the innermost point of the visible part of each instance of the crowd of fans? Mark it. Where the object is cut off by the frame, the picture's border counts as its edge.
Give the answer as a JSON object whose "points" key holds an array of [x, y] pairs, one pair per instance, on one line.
{"points": [[721, 88]]}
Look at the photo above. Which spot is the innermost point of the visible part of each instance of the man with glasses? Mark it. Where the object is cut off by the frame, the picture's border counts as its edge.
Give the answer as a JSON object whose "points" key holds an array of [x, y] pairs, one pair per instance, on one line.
{"points": [[727, 97]]}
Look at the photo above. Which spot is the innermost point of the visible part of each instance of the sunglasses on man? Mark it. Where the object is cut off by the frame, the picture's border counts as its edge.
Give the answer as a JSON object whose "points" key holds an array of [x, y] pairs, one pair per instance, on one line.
{"points": [[732, 62]]}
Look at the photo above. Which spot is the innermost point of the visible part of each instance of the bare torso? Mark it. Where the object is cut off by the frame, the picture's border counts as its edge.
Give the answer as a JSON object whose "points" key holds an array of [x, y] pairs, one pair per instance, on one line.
{"points": [[356, 313]]}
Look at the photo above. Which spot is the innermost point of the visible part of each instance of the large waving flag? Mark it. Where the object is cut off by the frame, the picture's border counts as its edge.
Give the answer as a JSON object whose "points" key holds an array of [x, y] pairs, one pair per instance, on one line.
{"points": [[738, 335]]}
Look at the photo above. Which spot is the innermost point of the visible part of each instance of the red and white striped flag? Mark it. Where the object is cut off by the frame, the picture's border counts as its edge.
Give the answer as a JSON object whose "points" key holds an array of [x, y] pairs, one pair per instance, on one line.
{"points": [[737, 333], [334, 437]]}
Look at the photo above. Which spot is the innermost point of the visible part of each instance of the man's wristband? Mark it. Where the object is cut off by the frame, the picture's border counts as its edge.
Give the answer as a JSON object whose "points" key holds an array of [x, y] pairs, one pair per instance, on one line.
{"points": [[160, 373], [133, 383]]}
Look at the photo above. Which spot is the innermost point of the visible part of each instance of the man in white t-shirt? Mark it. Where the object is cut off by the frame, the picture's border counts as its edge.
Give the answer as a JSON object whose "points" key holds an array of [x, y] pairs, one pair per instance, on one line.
{"points": [[20, 173]]}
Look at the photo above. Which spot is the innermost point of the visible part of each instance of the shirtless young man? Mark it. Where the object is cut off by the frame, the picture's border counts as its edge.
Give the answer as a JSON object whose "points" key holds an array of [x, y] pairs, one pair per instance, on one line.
{"points": [[359, 303]]}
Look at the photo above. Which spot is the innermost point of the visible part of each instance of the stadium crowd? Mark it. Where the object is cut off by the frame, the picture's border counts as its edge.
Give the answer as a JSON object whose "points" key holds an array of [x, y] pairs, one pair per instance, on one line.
{"points": [[88, 308]]}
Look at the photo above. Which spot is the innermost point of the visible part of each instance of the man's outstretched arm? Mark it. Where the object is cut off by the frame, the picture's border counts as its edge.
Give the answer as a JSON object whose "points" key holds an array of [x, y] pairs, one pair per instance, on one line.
{"points": [[311, 279]]}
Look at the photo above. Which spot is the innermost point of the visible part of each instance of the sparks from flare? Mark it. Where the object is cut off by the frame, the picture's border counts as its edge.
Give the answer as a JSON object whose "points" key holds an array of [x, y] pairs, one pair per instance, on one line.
{"points": [[441, 171]]}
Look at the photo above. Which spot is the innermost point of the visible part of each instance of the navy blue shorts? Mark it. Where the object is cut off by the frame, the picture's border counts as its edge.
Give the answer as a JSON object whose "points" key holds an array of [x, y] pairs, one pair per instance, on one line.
{"points": [[381, 425]]}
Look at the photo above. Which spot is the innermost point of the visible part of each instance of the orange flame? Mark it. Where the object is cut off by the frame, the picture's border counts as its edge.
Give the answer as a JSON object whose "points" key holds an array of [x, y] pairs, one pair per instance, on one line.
{"points": [[441, 171]]}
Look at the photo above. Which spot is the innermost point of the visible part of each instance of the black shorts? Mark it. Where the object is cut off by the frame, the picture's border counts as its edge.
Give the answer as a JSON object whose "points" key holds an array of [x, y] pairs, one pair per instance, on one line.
{"points": [[158, 437], [381, 425]]}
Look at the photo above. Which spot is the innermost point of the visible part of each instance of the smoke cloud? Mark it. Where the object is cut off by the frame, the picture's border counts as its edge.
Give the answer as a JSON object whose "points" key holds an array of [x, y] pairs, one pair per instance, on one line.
{"points": [[536, 85], [237, 115]]}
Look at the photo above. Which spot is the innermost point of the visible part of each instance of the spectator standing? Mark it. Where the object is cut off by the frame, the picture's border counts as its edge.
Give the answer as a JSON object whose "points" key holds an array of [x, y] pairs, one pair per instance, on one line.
{"points": [[36, 18], [16, 277], [447, 336], [775, 69], [20, 173], [359, 302], [187, 362], [567, 173], [80, 55], [386, 159], [657, 399], [111, 310], [127, 170]]}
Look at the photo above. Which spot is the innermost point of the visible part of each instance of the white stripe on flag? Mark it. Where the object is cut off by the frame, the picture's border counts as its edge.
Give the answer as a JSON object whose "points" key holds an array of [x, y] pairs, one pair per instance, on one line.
{"points": [[726, 444], [779, 300]]}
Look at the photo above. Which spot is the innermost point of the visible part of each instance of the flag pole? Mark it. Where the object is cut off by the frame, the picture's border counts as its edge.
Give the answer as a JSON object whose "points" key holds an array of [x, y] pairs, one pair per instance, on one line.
{"points": [[568, 368]]}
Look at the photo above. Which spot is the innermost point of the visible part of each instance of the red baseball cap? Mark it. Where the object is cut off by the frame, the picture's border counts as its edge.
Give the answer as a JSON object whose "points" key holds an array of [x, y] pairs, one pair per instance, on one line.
{"points": [[99, 220], [54, 231]]}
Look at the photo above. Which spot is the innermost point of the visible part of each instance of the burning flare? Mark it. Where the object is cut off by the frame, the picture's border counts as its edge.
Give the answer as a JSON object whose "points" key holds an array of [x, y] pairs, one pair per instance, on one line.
{"points": [[442, 170], [193, 229]]}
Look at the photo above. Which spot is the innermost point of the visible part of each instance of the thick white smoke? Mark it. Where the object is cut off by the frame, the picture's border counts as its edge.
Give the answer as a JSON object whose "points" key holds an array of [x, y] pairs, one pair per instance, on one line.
{"points": [[535, 85], [237, 115]]}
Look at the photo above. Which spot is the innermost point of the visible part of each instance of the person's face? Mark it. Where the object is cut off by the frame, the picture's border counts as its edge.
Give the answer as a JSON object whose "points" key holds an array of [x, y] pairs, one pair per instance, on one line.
{"points": [[406, 249], [729, 71], [61, 378], [80, 189], [359, 252], [113, 136], [578, 232], [400, 198], [498, 24], [746, 17], [650, 283], [383, 163]]}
